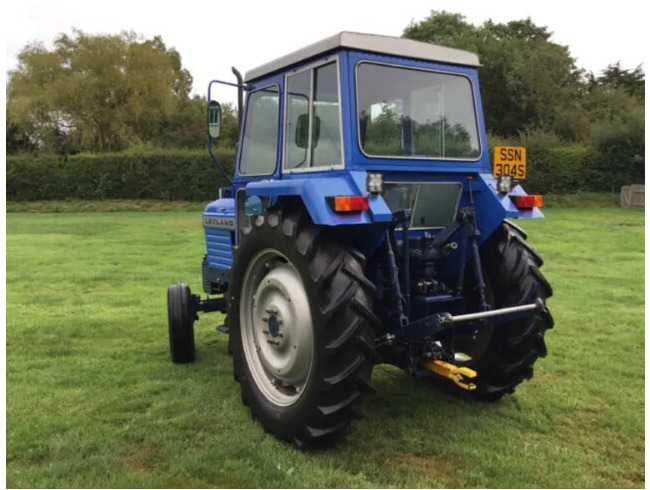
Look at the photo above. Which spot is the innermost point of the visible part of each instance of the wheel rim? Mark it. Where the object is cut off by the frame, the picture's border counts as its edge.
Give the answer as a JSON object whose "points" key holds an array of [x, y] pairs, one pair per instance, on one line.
{"points": [[276, 327], [470, 347]]}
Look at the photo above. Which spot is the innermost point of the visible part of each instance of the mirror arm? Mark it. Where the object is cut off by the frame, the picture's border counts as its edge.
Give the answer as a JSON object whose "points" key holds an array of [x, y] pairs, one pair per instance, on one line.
{"points": [[222, 82], [241, 87], [216, 162]]}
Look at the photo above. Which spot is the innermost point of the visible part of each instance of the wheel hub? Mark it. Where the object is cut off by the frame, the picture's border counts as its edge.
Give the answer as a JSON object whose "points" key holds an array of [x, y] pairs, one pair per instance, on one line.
{"points": [[274, 322]]}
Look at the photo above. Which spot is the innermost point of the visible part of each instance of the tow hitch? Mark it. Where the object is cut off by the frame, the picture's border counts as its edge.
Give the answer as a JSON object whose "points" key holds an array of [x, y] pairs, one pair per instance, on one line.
{"points": [[462, 376], [458, 375]]}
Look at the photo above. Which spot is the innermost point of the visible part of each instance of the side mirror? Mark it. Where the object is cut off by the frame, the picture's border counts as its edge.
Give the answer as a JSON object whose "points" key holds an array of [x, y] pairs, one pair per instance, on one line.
{"points": [[214, 119], [302, 131]]}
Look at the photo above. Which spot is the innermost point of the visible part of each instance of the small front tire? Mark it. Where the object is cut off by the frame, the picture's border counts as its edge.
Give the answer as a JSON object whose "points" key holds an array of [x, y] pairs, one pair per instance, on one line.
{"points": [[181, 317]]}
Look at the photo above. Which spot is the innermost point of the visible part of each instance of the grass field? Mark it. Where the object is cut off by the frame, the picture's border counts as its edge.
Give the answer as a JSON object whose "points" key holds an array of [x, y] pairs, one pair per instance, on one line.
{"points": [[93, 400]]}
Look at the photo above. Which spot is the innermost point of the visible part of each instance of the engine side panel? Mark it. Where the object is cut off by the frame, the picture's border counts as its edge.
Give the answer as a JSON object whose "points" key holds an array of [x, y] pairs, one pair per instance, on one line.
{"points": [[219, 226]]}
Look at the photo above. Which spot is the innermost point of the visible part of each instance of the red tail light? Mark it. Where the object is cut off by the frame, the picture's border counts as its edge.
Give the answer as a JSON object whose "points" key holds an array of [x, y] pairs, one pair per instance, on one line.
{"points": [[348, 204], [527, 202]]}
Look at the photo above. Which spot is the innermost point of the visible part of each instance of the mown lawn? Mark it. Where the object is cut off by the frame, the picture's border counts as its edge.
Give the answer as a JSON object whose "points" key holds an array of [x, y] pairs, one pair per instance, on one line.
{"points": [[93, 400]]}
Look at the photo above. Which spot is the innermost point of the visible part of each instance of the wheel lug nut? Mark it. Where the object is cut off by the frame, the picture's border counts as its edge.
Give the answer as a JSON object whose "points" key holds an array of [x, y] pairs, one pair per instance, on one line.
{"points": [[265, 318], [265, 331]]}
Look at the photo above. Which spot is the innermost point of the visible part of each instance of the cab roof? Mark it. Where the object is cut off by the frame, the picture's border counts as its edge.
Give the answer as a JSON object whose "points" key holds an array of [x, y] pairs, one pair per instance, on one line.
{"points": [[395, 46]]}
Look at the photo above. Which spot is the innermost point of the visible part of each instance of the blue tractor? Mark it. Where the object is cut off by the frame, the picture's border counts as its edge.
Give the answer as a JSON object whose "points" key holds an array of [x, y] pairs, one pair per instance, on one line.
{"points": [[365, 224]]}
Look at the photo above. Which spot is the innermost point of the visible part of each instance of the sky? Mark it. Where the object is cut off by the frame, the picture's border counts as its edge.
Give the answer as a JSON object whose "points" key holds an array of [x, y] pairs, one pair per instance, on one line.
{"points": [[213, 36]]}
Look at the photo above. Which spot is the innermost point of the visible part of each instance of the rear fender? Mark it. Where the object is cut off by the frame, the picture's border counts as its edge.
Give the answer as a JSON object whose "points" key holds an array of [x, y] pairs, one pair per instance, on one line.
{"points": [[506, 203], [314, 189]]}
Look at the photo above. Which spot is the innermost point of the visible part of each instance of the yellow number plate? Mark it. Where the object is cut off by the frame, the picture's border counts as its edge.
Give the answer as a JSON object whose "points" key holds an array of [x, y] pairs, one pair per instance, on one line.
{"points": [[510, 160]]}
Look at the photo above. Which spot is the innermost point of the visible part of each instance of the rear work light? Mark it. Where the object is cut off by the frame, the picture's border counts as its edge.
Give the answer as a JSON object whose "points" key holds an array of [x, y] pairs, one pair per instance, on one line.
{"points": [[348, 204], [527, 202]]}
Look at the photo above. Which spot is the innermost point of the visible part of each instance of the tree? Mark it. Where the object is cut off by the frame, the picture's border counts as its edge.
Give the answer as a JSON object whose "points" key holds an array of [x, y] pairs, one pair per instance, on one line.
{"points": [[18, 139], [527, 81], [618, 151], [96, 92], [229, 126], [631, 82], [615, 105], [187, 126]]}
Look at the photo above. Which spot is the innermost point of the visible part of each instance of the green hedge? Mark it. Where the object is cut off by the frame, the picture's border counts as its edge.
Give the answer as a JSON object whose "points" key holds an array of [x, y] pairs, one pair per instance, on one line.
{"points": [[613, 156], [577, 168], [169, 175], [558, 170], [191, 175]]}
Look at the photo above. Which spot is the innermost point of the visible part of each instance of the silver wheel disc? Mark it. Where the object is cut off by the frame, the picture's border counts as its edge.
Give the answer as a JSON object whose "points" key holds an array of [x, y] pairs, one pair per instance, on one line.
{"points": [[276, 327]]}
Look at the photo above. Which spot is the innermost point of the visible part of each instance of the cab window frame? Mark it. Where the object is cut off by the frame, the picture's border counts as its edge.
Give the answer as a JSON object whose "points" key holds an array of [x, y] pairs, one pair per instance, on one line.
{"points": [[312, 67], [246, 122], [474, 106]]}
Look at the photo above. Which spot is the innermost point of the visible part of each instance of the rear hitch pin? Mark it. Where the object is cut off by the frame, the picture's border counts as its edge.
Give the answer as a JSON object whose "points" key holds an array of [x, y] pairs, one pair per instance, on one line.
{"points": [[459, 375]]}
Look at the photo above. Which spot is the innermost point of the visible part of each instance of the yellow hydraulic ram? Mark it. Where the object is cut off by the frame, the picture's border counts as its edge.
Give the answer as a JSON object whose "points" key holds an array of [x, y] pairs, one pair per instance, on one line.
{"points": [[457, 374]]}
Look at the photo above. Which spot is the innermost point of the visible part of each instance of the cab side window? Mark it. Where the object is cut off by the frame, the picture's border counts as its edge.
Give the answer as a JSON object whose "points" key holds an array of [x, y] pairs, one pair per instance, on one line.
{"points": [[313, 122], [260, 142]]}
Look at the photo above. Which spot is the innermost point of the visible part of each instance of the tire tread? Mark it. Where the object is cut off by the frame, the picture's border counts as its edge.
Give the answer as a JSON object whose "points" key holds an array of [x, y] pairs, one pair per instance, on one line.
{"points": [[512, 267]]}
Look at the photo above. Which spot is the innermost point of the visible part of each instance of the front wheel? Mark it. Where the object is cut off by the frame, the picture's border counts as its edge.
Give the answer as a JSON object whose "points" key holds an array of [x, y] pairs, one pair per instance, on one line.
{"points": [[181, 317], [301, 328]]}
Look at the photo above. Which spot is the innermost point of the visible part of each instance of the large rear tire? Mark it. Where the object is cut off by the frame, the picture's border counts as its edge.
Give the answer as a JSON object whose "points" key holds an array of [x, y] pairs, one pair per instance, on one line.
{"points": [[301, 328], [513, 278]]}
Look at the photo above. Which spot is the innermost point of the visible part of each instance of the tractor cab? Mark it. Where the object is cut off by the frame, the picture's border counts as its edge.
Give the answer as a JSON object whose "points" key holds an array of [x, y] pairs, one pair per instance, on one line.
{"points": [[358, 102]]}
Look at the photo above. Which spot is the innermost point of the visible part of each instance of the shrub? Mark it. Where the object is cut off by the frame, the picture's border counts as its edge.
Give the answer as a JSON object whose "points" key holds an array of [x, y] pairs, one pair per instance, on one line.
{"points": [[170, 175], [615, 158], [557, 170], [617, 155]]}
